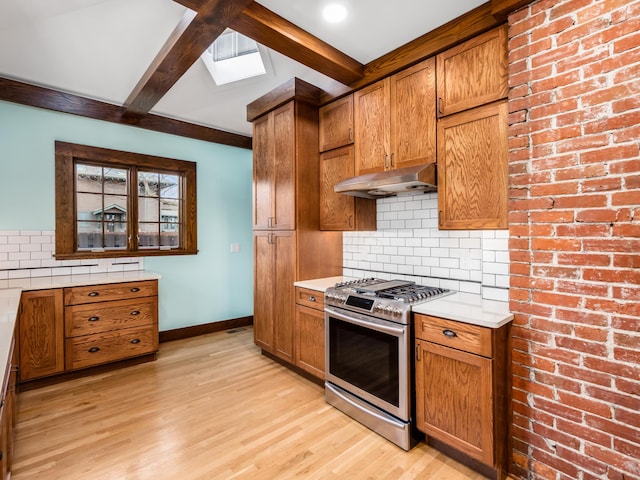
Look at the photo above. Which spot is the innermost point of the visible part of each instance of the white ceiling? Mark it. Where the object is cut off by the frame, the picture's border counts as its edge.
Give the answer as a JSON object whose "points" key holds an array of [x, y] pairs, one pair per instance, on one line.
{"points": [[100, 48]]}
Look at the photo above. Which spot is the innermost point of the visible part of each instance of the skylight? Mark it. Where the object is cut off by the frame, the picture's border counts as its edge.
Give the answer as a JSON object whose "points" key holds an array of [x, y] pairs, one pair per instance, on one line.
{"points": [[233, 57]]}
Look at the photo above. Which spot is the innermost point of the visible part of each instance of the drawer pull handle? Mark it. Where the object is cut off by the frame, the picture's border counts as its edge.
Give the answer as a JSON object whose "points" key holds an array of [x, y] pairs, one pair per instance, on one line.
{"points": [[94, 349], [449, 333], [135, 289], [135, 340], [94, 294], [94, 319], [135, 312], [312, 298]]}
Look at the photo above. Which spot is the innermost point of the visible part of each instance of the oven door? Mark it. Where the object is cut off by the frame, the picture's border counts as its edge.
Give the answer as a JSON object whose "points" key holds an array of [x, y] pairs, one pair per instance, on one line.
{"points": [[369, 358]]}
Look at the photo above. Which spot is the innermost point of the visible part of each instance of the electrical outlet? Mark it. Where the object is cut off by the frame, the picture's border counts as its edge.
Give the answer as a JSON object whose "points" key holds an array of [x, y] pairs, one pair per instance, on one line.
{"points": [[235, 247]]}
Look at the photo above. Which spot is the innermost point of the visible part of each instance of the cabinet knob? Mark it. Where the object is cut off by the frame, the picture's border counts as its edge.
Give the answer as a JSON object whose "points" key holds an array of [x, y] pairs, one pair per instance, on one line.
{"points": [[449, 333], [93, 319], [135, 289], [312, 298], [135, 341], [94, 349], [135, 312], [93, 294]]}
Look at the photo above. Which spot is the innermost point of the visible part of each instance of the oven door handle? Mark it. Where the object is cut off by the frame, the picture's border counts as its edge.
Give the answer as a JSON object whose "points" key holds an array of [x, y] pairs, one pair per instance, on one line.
{"points": [[357, 320]]}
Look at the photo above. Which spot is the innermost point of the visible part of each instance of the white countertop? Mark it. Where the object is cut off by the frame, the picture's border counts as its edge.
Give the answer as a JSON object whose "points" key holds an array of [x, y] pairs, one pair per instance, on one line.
{"points": [[9, 303], [468, 308], [321, 284], [462, 307], [62, 281]]}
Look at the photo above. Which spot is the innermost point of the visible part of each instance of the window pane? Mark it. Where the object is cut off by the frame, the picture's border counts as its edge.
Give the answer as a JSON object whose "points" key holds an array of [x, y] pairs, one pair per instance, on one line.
{"points": [[169, 186], [115, 208], [89, 235], [148, 184], [170, 235], [149, 210], [115, 181], [170, 210], [89, 206], [148, 235], [115, 235], [88, 178]]}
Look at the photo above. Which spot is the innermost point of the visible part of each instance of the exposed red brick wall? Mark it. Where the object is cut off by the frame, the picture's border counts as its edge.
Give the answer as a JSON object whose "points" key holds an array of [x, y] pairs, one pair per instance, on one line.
{"points": [[574, 69]]}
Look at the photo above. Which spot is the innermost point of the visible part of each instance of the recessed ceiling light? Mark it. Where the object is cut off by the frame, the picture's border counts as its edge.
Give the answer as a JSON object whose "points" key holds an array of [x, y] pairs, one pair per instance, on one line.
{"points": [[334, 13]]}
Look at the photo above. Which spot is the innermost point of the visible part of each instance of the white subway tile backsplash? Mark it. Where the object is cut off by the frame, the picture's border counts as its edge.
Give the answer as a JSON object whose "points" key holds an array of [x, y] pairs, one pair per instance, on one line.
{"points": [[29, 253], [409, 244]]}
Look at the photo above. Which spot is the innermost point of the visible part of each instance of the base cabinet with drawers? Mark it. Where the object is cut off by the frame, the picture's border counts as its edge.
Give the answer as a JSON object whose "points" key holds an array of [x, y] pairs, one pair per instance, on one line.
{"points": [[309, 330], [462, 388], [66, 329]]}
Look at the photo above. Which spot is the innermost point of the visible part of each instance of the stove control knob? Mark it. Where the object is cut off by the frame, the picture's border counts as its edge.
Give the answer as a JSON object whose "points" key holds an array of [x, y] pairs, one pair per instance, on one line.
{"points": [[397, 312], [389, 310]]}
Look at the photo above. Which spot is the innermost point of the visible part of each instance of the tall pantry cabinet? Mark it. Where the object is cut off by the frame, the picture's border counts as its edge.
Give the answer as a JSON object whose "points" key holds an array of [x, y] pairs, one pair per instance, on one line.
{"points": [[288, 243]]}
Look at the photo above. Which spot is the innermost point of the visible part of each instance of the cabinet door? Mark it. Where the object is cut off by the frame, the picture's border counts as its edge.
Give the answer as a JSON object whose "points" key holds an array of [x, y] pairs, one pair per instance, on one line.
{"points": [[372, 126], [338, 211], [336, 124], [284, 131], [284, 270], [263, 172], [413, 116], [473, 168], [310, 340], [473, 73], [454, 399], [264, 290], [41, 333]]}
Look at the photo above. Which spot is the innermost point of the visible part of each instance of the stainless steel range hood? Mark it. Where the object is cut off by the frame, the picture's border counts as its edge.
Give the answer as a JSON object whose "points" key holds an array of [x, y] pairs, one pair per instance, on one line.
{"points": [[392, 182]]}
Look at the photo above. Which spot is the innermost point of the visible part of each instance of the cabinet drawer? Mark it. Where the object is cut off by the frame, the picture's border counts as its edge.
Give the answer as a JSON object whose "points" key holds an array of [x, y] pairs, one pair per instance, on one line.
{"points": [[91, 318], [310, 298], [459, 335], [107, 347], [111, 291]]}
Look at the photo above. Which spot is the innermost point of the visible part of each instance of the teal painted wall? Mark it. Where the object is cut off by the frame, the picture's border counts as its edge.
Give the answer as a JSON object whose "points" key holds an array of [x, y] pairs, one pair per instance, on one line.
{"points": [[212, 286]]}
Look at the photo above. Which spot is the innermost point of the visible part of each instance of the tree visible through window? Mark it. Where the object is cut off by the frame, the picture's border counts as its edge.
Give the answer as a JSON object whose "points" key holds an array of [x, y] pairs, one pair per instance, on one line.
{"points": [[112, 203]]}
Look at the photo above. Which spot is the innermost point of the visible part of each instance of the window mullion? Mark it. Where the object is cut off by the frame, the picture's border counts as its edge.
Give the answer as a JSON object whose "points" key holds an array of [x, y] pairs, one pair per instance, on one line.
{"points": [[132, 220]]}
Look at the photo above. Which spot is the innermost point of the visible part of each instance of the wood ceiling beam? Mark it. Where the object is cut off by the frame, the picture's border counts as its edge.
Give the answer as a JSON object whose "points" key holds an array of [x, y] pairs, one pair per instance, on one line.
{"points": [[277, 33], [195, 33], [49, 99]]}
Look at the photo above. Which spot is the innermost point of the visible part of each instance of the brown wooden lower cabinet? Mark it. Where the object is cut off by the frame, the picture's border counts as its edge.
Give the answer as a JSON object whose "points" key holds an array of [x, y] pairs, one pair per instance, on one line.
{"points": [[41, 333], [66, 329], [462, 388], [8, 415], [310, 331]]}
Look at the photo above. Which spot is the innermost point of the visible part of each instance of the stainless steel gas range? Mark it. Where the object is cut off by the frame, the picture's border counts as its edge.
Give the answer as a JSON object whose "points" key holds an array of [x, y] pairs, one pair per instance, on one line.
{"points": [[368, 341]]}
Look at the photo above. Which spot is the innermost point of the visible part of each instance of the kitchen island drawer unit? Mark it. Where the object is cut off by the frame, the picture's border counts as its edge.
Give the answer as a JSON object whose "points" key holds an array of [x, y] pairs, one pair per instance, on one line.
{"points": [[97, 318], [111, 291], [90, 350], [107, 323]]}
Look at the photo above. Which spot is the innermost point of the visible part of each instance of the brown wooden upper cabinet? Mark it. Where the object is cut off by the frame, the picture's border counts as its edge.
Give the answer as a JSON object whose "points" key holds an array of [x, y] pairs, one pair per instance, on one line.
{"points": [[473, 73], [338, 211], [395, 121], [473, 168], [274, 170], [336, 124]]}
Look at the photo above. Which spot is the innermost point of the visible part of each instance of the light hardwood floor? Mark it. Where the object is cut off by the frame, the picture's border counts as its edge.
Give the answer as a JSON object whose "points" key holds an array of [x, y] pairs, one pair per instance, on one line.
{"points": [[211, 407]]}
